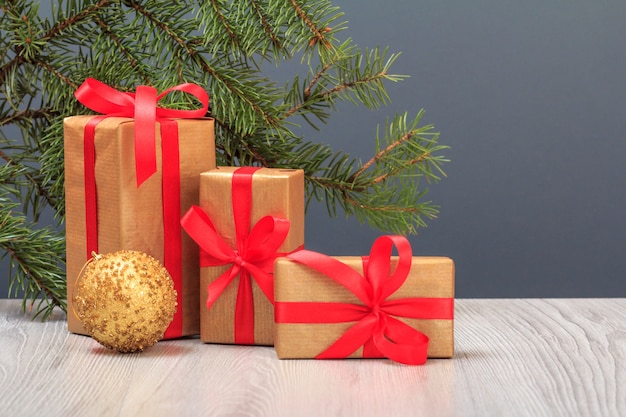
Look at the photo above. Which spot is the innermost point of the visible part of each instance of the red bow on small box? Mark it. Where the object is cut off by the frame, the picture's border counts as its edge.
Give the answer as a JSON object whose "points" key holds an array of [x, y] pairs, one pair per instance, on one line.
{"points": [[142, 106], [376, 328], [253, 256]]}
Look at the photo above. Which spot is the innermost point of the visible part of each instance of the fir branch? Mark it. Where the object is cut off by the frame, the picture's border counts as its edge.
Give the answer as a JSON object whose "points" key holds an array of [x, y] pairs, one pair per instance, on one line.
{"points": [[351, 75], [224, 22], [235, 154], [53, 175], [41, 190], [381, 154], [384, 191], [56, 73], [57, 29], [266, 26], [160, 24], [202, 62], [396, 170], [314, 80], [351, 84], [50, 285], [73, 20], [386, 208], [306, 92], [334, 91], [10, 66], [318, 34], [134, 62], [28, 115], [37, 257]]}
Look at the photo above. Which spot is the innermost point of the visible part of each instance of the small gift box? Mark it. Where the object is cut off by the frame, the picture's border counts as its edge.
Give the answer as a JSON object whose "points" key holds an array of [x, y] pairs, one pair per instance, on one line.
{"points": [[128, 180], [247, 217], [399, 307]]}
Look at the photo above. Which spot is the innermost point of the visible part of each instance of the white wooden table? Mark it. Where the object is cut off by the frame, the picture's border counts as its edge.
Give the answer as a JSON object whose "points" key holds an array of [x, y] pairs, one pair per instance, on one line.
{"points": [[556, 357]]}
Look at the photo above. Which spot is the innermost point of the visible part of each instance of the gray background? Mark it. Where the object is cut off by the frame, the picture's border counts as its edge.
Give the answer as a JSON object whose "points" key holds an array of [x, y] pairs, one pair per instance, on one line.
{"points": [[531, 96]]}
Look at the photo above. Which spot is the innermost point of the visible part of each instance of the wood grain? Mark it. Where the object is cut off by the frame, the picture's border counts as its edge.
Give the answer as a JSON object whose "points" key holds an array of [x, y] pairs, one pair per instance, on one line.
{"points": [[556, 357]]}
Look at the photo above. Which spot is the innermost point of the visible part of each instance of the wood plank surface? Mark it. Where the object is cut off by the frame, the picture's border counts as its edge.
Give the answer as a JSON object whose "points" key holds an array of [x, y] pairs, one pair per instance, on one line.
{"points": [[535, 357]]}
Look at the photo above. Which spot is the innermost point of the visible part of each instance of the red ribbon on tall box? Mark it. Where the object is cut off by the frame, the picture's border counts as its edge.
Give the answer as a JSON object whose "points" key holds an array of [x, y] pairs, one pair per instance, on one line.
{"points": [[398, 307], [247, 218], [129, 174]]}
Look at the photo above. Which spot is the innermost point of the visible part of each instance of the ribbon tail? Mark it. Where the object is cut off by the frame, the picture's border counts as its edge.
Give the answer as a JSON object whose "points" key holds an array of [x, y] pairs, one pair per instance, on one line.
{"points": [[244, 311], [145, 133], [370, 350], [351, 340], [264, 280], [217, 287], [91, 196], [401, 343]]}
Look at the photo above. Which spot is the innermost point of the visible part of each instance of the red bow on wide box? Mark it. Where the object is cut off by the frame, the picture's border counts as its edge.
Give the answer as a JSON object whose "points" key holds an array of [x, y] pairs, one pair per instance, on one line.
{"points": [[253, 255], [376, 328], [142, 106]]}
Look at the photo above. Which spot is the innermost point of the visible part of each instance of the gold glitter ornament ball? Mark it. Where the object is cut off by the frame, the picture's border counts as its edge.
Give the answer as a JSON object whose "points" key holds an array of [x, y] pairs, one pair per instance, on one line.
{"points": [[125, 300]]}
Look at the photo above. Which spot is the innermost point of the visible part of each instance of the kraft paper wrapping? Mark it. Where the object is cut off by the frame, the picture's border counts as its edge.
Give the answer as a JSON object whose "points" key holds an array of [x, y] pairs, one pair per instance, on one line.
{"points": [[429, 277], [131, 217], [275, 192]]}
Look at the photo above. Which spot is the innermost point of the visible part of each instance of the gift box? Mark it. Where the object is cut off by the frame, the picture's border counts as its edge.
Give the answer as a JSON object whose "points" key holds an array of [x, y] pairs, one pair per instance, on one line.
{"points": [[108, 210], [246, 218], [399, 307]]}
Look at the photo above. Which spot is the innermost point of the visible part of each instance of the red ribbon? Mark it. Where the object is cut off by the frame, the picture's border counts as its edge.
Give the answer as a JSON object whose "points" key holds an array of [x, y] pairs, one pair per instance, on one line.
{"points": [[253, 255], [375, 329], [142, 106]]}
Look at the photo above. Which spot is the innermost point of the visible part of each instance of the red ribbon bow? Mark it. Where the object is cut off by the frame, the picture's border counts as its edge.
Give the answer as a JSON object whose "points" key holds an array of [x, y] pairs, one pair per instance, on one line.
{"points": [[375, 329], [142, 106], [253, 256]]}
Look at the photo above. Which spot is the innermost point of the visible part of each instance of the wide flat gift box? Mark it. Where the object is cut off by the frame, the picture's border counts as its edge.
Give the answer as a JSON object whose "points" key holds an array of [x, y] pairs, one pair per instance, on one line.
{"points": [[275, 192], [131, 217], [295, 282]]}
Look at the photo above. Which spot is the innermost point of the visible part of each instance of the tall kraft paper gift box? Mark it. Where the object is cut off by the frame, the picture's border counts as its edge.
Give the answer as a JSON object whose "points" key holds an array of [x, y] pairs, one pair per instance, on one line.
{"points": [[277, 193], [131, 217]]}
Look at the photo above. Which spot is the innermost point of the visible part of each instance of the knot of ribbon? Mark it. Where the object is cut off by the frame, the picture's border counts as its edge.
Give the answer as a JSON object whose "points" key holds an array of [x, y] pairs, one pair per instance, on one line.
{"points": [[376, 329], [253, 255], [142, 106]]}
